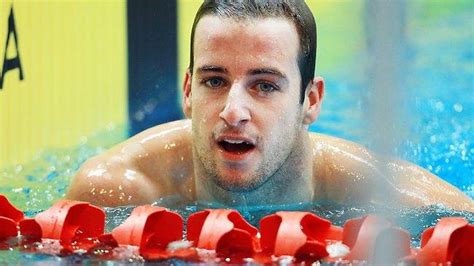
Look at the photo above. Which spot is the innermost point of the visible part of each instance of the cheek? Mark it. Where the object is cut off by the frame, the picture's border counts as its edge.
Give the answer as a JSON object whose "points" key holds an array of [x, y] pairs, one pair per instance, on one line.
{"points": [[204, 101], [284, 123], [201, 105], [204, 116], [286, 114], [273, 125]]}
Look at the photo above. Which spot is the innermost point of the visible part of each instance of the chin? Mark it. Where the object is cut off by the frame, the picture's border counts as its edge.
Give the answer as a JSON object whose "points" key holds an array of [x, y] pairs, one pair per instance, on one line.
{"points": [[238, 184]]}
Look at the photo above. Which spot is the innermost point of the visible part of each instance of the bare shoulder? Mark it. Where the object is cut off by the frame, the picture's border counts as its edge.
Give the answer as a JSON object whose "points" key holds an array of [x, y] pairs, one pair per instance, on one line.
{"points": [[345, 171], [334, 162], [154, 163]]}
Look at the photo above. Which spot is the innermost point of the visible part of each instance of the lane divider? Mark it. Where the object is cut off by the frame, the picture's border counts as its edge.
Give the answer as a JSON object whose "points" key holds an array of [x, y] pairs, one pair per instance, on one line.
{"points": [[70, 221], [151, 229], [224, 231], [302, 235], [157, 233], [375, 239]]}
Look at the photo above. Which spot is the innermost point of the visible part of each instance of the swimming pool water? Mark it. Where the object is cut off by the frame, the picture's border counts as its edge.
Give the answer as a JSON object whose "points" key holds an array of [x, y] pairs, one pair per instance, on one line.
{"points": [[438, 90], [438, 86]]}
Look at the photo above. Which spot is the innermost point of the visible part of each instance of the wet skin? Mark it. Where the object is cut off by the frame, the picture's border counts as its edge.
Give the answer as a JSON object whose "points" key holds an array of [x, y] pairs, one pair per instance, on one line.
{"points": [[246, 139], [243, 99]]}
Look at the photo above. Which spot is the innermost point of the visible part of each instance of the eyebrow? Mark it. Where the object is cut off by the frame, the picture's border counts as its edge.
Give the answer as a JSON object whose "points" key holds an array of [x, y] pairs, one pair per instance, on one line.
{"points": [[217, 69], [270, 71], [257, 71]]}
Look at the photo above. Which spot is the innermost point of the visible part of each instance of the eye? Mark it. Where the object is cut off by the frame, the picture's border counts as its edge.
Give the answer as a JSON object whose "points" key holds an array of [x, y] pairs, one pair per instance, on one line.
{"points": [[266, 87], [214, 82]]}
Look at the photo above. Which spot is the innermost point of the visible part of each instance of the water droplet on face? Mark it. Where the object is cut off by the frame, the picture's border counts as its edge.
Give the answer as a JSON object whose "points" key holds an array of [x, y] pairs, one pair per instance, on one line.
{"points": [[130, 175], [142, 155]]}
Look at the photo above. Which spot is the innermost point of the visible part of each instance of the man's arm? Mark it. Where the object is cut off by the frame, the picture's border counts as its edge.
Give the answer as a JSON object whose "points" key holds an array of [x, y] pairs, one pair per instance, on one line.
{"points": [[349, 172], [111, 179], [152, 164]]}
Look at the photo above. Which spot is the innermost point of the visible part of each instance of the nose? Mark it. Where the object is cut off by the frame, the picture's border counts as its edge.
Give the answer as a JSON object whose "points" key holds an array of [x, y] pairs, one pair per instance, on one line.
{"points": [[236, 112]]}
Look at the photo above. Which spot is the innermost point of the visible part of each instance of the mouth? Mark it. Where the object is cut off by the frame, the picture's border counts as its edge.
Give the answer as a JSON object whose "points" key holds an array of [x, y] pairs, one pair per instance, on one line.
{"points": [[235, 148]]}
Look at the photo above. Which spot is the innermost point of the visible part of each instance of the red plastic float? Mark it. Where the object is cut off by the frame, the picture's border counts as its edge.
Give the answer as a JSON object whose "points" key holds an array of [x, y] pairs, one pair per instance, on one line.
{"points": [[224, 231], [30, 230], [299, 234], [450, 241], [9, 211], [103, 247], [9, 217], [7, 228], [74, 223], [368, 237], [302, 235], [151, 229]]}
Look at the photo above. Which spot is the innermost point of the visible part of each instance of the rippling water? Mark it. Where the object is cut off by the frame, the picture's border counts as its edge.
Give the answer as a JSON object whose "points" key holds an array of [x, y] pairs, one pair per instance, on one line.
{"points": [[438, 86], [439, 104]]}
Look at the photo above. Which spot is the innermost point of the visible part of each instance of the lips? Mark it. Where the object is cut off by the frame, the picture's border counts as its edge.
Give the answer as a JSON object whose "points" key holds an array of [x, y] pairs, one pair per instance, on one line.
{"points": [[235, 148], [238, 147]]}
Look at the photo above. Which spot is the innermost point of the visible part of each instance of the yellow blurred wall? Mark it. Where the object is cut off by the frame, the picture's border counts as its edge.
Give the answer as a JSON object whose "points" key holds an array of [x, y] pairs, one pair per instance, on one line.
{"points": [[73, 56]]}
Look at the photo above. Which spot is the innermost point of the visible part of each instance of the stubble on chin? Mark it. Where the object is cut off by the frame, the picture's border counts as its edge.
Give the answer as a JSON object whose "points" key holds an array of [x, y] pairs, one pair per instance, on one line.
{"points": [[239, 183], [224, 178]]}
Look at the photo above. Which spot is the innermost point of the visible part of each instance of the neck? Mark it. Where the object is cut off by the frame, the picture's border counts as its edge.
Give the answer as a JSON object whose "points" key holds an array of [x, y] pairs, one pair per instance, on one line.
{"points": [[290, 184]]}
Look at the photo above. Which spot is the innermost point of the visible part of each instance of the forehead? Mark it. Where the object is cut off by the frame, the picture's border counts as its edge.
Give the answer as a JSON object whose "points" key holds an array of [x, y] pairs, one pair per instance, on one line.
{"points": [[267, 40]]}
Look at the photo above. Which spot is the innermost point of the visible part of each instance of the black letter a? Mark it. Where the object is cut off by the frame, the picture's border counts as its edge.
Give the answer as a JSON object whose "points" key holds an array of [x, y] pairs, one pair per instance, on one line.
{"points": [[11, 63]]}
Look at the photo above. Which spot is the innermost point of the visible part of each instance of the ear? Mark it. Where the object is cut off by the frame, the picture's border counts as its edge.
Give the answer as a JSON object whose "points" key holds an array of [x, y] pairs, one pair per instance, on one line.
{"points": [[313, 99], [187, 94]]}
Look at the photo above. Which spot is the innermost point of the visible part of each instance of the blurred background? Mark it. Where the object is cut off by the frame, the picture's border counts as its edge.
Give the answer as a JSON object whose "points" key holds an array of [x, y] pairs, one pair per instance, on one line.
{"points": [[80, 76]]}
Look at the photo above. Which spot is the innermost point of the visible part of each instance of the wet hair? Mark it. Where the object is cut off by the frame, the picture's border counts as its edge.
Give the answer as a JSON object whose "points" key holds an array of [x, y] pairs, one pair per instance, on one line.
{"points": [[294, 10]]}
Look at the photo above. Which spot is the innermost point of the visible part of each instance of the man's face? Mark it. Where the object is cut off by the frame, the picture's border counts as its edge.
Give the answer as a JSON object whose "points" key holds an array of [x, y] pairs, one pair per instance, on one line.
{"points": [[243, 98]]}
